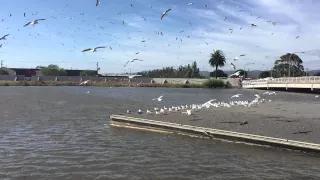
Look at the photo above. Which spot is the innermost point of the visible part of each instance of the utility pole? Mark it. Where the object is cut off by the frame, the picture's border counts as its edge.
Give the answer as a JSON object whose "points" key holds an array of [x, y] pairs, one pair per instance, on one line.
{"points": [[1, 63], [98, 68]]}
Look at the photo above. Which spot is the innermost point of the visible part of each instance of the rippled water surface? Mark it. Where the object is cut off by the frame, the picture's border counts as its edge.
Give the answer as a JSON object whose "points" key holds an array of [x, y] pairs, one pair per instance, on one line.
{"points": [[64, 133]]}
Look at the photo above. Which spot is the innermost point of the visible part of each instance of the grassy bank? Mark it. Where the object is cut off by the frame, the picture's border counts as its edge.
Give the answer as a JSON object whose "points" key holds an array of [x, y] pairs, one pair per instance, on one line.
{"points": [[207, 84]]}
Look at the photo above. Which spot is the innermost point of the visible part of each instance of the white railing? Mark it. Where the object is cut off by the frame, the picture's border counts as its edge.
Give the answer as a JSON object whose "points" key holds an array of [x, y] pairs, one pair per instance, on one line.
{"points": [[305, 79]]}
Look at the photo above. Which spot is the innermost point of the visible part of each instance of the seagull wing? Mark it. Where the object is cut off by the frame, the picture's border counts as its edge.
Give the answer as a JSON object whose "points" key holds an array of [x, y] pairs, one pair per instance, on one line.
{"points": [[162, 15], [86, 49], [97, 3], [100, 47], [4, 37], [234, 67], [39, 19], [27, 24], [137, 60], [126, 64], [168, 10]]}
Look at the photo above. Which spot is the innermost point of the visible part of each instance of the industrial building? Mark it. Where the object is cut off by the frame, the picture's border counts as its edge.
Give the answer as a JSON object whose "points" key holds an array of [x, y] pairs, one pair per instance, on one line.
{"points": [[28, 72]]}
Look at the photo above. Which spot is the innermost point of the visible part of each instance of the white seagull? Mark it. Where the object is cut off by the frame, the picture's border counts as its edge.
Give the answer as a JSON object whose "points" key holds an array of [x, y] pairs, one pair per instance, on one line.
{"points": [[235, 96], [158, 99], [4, 37], [189, 4], [165, 13], [132, 61], [132, 76], [98, 2], [236, 58], [34, 22], [188, 112], [84, 83], [93, 49]]}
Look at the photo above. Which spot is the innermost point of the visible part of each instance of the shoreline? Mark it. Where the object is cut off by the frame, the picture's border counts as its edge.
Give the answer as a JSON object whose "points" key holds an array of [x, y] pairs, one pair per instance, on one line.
{"points": [[102, 84]]}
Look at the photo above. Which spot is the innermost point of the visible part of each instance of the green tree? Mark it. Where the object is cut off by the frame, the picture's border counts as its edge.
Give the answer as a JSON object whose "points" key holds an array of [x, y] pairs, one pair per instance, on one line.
{"points": [[218, 73], [264, 74], [188, 71], [88, 73], [52, 70], [4, 71], [289, 62], [217, 59]]}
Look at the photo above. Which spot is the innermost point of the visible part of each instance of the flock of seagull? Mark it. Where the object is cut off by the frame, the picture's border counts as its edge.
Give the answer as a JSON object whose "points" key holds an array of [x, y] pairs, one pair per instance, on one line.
{"points": [[162, 17], [191, 108], [208, 104]]}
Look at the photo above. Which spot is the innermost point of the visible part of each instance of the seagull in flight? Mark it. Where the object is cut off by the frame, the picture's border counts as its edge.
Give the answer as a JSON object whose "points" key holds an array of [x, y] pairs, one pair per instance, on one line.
{"points": [[236, 58], [158, 99], [242, 54], [235, 96], [165, 13], [4, 37], [253, 25], [297, 37], [189, 4], [233, 66], [93, 49], [33, 22], [132, 61], [98, 2]]}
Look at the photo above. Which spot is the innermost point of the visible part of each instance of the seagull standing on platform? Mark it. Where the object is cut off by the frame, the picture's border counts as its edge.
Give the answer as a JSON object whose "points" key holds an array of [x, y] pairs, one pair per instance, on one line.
{"points": [[34, 22], [188, 112], [132, 61]]}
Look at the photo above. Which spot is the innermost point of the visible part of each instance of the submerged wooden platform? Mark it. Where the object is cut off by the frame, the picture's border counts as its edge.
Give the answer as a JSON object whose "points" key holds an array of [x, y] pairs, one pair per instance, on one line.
{"points": [[161, 126]]}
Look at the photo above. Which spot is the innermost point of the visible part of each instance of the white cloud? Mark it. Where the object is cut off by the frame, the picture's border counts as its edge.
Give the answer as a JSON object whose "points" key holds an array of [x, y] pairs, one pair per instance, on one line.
{"points": [[294, 18], [257, 42]]}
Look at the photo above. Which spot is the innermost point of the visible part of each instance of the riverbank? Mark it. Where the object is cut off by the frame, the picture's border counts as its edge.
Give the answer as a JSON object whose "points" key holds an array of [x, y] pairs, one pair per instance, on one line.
{"points": [[209, 84]]}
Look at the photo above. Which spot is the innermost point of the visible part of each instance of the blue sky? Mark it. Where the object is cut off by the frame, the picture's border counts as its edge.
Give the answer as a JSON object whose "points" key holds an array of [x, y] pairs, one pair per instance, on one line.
{"points": [[74, 25]]}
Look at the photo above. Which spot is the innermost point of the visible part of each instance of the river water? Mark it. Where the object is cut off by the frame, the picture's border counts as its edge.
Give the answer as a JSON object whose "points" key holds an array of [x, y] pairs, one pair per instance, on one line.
{"points": [[64, 133]]}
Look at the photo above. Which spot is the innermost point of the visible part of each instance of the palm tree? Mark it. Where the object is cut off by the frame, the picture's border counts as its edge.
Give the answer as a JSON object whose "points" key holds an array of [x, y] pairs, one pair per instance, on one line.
{"points": [[217, 59]]}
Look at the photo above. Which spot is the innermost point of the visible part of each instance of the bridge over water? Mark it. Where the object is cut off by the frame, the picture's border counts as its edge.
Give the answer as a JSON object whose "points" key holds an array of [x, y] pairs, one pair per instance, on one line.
{"points": [[303, 83]]}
